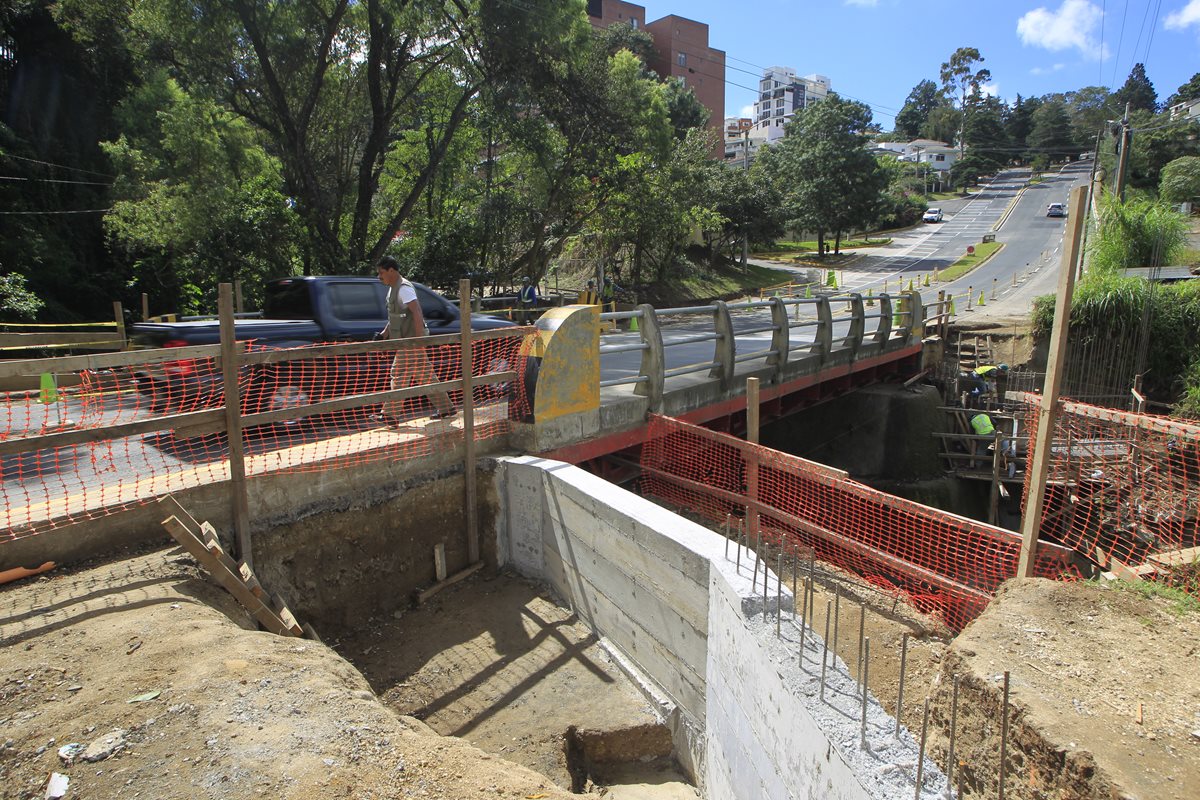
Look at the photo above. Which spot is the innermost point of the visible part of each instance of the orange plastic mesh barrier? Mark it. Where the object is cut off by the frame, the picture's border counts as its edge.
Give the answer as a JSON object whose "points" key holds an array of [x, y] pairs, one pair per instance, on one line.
{"points": [[1123, 490], [944, 564], [55, 486]]}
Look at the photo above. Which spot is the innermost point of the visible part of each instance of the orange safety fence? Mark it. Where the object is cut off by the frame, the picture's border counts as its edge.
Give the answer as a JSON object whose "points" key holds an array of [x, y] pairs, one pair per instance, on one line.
{"points": [[946, 565], [1123, 490], [47, 486]]}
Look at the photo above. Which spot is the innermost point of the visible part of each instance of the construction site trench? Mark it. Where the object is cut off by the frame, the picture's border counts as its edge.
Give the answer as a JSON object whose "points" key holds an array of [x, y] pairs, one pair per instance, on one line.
{"points": [[137, 677]]}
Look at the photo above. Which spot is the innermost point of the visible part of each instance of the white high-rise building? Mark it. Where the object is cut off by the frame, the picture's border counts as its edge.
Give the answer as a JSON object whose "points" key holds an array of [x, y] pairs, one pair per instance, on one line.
{"points": [[781, 93]]}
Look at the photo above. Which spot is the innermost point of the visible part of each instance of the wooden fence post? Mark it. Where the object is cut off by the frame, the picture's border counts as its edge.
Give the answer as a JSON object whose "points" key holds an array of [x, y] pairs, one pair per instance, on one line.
{"points": [[119, 314], [468, 411], [230, 349]]}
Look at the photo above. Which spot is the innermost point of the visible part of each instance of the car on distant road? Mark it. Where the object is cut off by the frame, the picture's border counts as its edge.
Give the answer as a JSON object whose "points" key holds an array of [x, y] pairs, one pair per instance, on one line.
{"points": [[932, 215], [1056, 210]]}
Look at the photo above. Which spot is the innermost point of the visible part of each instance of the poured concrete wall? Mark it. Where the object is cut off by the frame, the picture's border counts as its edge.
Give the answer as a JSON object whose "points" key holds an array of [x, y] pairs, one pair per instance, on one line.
{"points": [[660, 589]]}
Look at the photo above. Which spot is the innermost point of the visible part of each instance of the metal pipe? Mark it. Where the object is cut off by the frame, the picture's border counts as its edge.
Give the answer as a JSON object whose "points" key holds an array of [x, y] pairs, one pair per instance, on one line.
{"points": [[866, 670], [837, 616], [795, 569], [1003, 739], [738, 563], [900, 695], [728, 519], [779, 593], [765, 589], [825, 649], [921, 752], [953, 732]]}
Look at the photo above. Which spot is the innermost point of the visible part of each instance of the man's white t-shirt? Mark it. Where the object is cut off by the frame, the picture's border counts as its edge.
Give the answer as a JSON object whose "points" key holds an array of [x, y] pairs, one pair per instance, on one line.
{"points": [[405, 291]]}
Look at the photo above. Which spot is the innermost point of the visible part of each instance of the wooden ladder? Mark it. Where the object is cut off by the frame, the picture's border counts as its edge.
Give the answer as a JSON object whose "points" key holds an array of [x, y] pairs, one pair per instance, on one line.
{"points": [[200, 539]]}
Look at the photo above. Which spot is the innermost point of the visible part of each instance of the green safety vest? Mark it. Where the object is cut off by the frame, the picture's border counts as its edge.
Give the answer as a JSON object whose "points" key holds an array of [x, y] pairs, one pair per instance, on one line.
{"points": [[982, 425], [983, 372]]}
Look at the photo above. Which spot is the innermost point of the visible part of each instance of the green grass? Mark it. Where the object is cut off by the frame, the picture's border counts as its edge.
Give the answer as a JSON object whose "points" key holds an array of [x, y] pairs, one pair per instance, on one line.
{"points": [[729, 281], [945, 196], [1191, 255], [1180, 602], [968, 263]]}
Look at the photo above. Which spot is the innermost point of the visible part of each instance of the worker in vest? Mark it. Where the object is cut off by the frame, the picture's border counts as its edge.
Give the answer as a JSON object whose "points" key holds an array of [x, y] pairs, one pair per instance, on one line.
{"points": [[608, 295], [983, 379], [527, 300], [982, 425]]}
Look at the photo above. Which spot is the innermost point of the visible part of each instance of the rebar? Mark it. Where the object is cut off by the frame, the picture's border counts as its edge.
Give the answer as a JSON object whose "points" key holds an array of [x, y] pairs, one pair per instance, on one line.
{"points": [[825, 650], [953, 732], [766, 588], [738, 563], [921, 752], [779, 594], [866, 670], [837, 616], [900, 694], [753, 577], [795, 571], [1003, 738], [862, 632], [728, 526], [803, 628]]}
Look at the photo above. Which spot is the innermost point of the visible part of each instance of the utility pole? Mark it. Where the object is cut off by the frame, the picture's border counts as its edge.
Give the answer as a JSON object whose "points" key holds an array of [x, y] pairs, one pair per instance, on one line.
{"points": [[1031, 517], [745, 233], [1123, 161]]}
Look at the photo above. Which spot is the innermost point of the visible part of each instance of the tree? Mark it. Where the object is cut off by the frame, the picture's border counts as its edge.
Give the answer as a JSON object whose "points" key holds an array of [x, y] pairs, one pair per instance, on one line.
{"points": [[1179, 181], [1137, 91], [1018, 122], [829, 180], [1155, 145], [921, 101], [943, 125], [1090, 109], [1188, 91], [1052, 135], [960, 79], [986, 135]]}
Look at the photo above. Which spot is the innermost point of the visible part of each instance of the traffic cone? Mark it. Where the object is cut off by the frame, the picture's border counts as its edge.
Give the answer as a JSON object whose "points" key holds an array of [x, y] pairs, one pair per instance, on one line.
{"points": [[952, 306], [910, 284], [870, 297], [926, 283], [831, 280], [982, 298], [49, 388], [808, 291], [633, 324]]}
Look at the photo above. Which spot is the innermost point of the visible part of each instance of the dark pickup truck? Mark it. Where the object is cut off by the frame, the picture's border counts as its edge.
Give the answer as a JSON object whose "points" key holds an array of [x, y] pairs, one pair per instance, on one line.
{"points": [[304, 311]]}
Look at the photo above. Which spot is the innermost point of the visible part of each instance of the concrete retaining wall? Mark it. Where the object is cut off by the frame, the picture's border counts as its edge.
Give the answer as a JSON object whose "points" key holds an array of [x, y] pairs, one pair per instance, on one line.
{"points": [[659, 588]]}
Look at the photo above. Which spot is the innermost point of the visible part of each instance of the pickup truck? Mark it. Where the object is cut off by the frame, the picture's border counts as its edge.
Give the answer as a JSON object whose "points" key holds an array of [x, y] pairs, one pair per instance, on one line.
{"points": [[296, 312]]}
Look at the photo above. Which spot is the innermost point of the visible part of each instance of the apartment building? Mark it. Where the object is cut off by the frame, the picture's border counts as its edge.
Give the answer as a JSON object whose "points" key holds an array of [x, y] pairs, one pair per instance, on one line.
{"points": [[683, 53], [781, 93]]}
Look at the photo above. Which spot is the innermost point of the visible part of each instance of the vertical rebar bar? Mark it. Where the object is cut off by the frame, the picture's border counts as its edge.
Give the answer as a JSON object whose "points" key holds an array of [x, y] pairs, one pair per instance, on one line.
{"points": [[862, 631], [758, 543], [754, 577], [825, 650], [728, 527], [921, 751], [1003, 738], [953, 732], [765, 589], [795, 571], [837, 616], [900, 694], [866, 670], [779, 594], [738, 563]]}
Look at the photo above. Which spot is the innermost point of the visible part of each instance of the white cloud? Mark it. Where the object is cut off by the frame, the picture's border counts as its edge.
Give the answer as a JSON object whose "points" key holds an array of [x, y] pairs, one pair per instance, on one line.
{"points": [[1073, 25], [990, 90], [865, 3], [1047, 70], [1188, 15], [747, 111]]}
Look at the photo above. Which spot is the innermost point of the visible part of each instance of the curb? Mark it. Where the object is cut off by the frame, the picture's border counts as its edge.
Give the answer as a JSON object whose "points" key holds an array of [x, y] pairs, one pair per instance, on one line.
{"points": [[993, 254], [1004, 217]]}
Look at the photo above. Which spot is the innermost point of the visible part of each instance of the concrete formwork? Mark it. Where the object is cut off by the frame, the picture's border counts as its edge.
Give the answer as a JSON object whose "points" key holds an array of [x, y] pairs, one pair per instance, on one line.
{"points": [[747, 718]]}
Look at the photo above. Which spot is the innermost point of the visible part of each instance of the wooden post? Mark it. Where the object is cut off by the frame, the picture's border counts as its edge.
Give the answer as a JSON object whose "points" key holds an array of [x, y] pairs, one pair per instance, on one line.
{"points": [[230, 350], [145, 306], [237, 296], [752, 458], [1031, 517], [468, 412], [119, 315]]}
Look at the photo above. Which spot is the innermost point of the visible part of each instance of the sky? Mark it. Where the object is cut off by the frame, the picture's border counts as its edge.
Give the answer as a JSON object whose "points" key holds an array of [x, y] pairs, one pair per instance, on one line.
{"points": [[876, 51]]}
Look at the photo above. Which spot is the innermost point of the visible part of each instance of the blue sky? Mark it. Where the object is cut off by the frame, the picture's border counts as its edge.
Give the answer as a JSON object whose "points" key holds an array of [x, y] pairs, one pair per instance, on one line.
{"points": [[876, 51]]}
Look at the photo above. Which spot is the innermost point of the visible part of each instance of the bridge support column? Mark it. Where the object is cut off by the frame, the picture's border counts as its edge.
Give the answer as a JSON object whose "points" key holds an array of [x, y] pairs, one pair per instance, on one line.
{"points": [[916, 320], [780, 339], [858, 325], [566, 405], [884, 332], [823, 340]]}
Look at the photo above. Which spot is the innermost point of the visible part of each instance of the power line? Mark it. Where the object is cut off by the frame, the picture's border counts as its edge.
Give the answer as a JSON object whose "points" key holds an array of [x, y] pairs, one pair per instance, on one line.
{"points": [[58, 166], [1120, 42], [47, 213], [53, 180]]}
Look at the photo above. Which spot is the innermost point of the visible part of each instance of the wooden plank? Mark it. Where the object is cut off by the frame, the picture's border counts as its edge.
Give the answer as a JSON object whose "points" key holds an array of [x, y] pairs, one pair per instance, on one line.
{"points": [[195, 421], [175, 508], [227, 579], [248, 578], [382, 346], [285, 615], [425, 594], [209, 534], [33, 341], [1175, 558], [100, 361]]}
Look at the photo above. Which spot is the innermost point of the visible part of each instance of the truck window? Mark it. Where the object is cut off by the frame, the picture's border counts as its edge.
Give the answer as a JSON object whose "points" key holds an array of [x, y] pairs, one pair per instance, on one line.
{"points": [[350, 301], [287, 300]]}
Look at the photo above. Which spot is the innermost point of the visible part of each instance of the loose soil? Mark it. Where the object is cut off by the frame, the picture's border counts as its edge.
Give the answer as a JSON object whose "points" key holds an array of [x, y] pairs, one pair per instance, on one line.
{"points": [[162, 675]]}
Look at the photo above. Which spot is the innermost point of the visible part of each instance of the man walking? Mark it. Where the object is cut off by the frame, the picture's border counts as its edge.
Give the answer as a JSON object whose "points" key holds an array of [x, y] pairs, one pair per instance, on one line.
{"points": [[411, 366], [527, 300]]}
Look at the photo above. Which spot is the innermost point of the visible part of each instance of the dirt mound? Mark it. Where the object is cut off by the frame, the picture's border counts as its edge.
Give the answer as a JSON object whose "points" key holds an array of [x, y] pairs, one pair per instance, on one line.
{"points": [[148, 669], [1103, 688]]}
